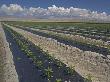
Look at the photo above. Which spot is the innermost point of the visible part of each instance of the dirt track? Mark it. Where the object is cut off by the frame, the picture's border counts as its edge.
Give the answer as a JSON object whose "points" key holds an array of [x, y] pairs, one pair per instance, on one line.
{"points": [[7, 68]]}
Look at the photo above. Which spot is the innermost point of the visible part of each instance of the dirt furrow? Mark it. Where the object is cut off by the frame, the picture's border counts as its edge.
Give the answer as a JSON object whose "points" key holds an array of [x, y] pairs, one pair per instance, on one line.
{"points": [[9, 73]]}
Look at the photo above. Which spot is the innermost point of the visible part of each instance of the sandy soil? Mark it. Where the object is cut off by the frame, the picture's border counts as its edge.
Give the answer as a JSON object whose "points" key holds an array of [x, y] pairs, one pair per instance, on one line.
{"points": [[7, 72]]}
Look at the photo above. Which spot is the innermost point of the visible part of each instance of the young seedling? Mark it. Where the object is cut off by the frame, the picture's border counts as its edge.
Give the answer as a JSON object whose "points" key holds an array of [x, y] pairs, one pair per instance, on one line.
{"points": [[34, 58], [50, 57], [29, 53], [59, 64], [89, 78], [48, 72], [69, 70], [39, 64], [24, 47]]}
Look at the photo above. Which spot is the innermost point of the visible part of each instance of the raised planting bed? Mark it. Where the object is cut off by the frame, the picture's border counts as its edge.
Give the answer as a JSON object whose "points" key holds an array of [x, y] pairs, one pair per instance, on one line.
{"points": [[7, 67], [88, 34], [46, 68], [75, 29], [81, 45]]}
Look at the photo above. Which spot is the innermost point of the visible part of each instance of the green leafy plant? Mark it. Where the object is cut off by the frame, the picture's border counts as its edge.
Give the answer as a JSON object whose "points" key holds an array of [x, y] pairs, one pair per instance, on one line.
{"points": [[49, 57], [48, 72], [88, 79], [58, 63], [39, 64], [58, 80], [69, 70]]}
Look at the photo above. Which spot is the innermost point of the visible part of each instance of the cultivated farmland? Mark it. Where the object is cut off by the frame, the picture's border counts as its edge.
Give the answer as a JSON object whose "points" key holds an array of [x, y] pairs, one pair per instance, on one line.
{"points": [[56, 51]]}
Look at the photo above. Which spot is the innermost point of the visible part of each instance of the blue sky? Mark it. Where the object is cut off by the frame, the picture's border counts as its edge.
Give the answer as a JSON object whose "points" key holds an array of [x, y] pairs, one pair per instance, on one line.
{"points": [[80, 9], [94, 5]]}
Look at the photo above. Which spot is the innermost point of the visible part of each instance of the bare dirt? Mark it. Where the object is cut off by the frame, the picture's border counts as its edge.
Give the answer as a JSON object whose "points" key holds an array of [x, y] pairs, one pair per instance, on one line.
{"points": [[7, 69]]}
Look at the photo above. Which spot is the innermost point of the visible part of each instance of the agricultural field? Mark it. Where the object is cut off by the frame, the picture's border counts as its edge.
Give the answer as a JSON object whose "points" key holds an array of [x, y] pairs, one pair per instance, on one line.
{"points": [[55, 51]]}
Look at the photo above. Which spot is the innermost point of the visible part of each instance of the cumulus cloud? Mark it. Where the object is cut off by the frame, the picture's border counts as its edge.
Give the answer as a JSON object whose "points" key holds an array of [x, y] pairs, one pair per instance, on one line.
{"points": [[12, 9], [52, 12]]}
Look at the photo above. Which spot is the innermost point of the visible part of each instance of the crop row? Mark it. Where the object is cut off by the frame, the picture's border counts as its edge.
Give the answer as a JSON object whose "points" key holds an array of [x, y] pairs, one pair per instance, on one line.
{"points": [[93, 34], [52, 69], [82, 32], [98, 46], [99, 43], [82, 43], [91, 30], [65, 25]]}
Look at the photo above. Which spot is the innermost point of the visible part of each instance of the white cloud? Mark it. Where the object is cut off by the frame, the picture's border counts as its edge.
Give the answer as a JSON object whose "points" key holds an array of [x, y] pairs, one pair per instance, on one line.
{"points": [[12, 9], [79, 12], [54, 11], [58, 10]]}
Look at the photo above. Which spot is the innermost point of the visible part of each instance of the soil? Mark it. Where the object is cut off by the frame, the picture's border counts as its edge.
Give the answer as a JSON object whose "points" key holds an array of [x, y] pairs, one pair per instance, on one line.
{"points": [[7, 68]]}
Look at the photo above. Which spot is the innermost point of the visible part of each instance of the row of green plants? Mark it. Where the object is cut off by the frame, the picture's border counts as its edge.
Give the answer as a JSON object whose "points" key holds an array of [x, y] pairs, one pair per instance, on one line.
{"points": [[48, 71], [92, 44], [90, 31], [64, 25], [105, 36]]}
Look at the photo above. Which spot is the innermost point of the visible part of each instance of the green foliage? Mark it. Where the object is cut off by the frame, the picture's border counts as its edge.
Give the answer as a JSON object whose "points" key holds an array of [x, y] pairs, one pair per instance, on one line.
{"points": [[58, 63], [48, 72], [70, 70], [64, 25], [88, 79], [49, 57], [39, 64]]}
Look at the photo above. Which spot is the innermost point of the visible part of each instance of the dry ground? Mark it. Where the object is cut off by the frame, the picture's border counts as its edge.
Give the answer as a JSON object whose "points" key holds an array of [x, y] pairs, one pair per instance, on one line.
{"points": [[7, 68]]}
